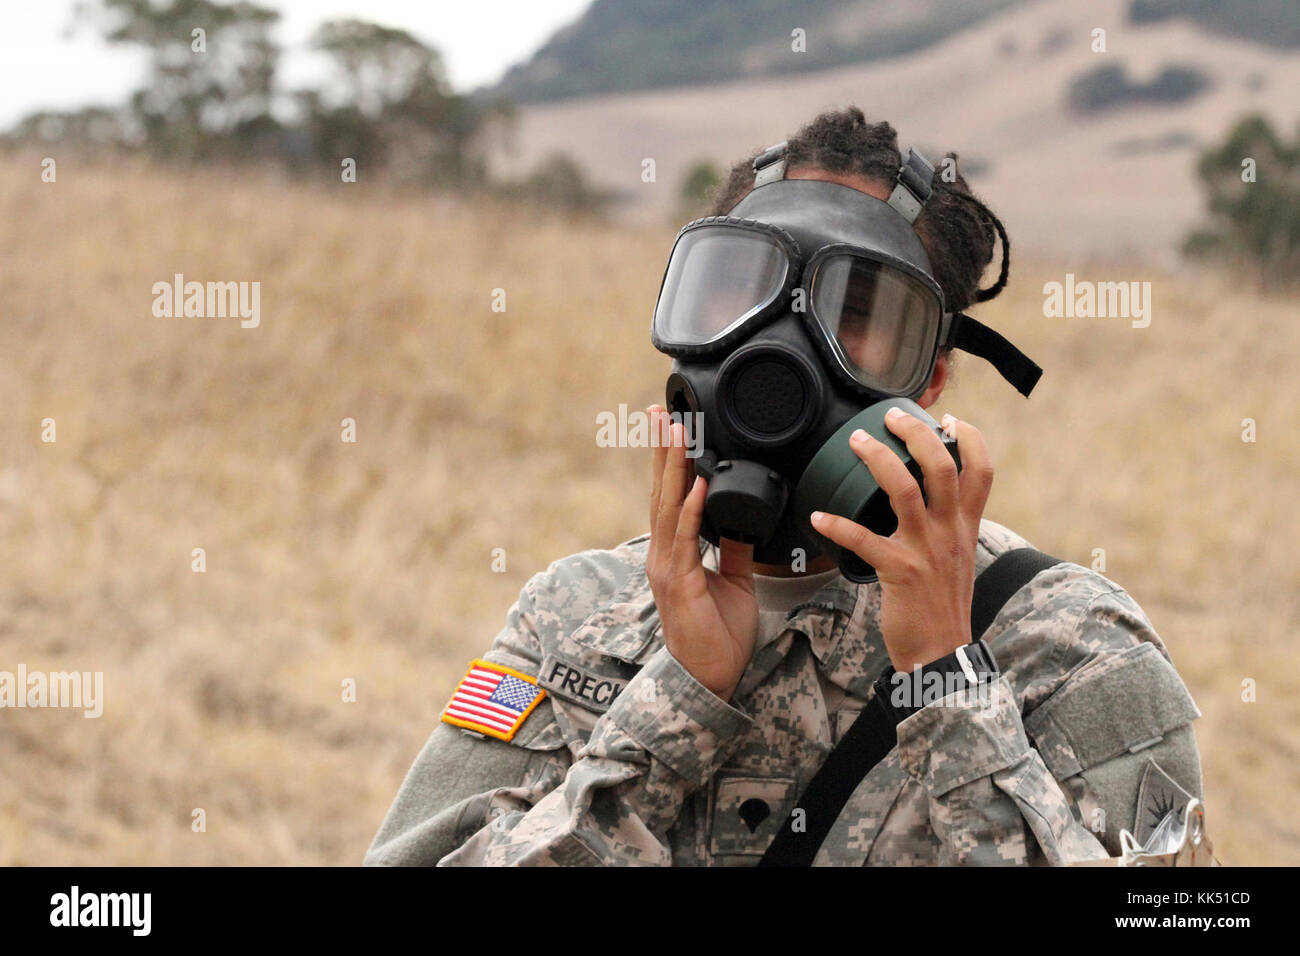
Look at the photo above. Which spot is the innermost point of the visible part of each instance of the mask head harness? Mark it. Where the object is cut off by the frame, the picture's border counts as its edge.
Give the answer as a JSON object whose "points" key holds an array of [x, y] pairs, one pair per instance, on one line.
{"points": [[803, 314]]}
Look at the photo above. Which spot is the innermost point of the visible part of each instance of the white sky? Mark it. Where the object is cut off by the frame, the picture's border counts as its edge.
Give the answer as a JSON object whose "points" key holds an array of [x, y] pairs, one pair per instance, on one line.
{"points": [[43, 67]]}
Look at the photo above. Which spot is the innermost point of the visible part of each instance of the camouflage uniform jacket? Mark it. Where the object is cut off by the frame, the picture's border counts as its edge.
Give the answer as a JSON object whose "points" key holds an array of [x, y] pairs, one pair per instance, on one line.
{"points": [[629, 760]]}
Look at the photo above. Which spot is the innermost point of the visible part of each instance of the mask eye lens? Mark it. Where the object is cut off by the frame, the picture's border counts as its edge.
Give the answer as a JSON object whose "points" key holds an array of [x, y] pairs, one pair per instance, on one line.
{"points": [[869, 336], [881, 321], [717, 277]]}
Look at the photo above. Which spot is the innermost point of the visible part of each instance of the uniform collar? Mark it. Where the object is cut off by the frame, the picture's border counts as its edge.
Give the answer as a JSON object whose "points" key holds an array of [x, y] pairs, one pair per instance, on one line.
{"points": [[840, 622]]}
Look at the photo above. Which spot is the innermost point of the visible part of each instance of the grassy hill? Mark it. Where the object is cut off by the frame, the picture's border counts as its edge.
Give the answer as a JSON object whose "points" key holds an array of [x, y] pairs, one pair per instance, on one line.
{"points": [[1108, 174], [621, 45], [1271, 22], [372, 562], [628, 45]]}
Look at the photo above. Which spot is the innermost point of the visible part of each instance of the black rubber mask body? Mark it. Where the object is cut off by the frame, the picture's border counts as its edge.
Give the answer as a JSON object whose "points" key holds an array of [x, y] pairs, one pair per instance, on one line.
{"points": [[777, 399]]}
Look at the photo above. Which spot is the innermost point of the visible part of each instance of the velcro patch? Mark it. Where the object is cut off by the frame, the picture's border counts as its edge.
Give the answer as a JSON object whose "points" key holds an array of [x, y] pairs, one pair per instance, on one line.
{"points": [[493, 700]]}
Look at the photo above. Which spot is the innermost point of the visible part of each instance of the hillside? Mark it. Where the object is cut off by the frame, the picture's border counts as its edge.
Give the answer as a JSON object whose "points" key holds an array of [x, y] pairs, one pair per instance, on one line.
{"points": [[1116, 183], [1272, 22], [621, 45], [372, 561], [627, 45]]}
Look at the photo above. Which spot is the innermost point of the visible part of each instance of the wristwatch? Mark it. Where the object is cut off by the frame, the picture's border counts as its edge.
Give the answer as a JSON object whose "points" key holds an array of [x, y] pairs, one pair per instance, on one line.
{"points": [[903, 695]]}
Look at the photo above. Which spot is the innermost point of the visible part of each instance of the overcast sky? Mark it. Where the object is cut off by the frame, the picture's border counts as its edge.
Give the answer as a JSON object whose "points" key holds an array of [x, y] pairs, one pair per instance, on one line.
{"points": [[42, 67]]}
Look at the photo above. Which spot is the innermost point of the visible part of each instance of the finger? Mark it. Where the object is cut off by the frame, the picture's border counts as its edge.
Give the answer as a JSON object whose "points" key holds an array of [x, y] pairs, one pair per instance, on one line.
{"points": [[894, 478], [657, 461], [686, 540], [976, 470], [937, 466], [736, 561], [877, 551], [657, 550], [672, 491]]}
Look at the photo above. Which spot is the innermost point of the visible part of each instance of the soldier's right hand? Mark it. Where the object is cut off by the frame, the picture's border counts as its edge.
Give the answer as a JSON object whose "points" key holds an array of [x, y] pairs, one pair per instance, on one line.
{"points": [[709, 618]]}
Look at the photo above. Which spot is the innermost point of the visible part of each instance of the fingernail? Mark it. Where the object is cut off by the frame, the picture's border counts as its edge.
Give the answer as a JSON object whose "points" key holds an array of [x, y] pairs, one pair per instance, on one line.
{"points": [[860, 436], [894, 412], [949, 425], [817, 517]]}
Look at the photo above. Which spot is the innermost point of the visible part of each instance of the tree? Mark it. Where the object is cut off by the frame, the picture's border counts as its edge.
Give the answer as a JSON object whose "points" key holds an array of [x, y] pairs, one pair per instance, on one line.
{"points": [[203, 89], [211, 90], [91, 125], [701, 178], [558, 182], [379, 68], [1252, 181], [388, 103]]}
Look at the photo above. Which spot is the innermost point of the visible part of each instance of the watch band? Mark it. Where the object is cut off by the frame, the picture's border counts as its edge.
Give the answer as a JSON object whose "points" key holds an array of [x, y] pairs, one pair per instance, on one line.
{"points": [[968, 666]]}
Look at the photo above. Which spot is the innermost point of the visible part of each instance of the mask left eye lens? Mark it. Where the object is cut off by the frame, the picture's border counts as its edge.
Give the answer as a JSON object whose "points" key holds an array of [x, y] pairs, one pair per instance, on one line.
{"points": [[881, 321]]}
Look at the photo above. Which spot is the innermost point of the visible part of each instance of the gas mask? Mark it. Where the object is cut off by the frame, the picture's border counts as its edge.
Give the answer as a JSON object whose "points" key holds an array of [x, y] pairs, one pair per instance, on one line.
{"points": [[806, 313]]}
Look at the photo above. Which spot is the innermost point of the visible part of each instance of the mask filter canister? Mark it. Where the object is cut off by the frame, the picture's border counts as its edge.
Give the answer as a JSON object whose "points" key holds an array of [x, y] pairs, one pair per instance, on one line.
{"points": [[838, 482]]}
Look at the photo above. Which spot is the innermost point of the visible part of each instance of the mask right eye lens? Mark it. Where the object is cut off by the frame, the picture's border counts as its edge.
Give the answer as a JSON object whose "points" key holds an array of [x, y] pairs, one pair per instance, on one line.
{"points": [[718, 276]]}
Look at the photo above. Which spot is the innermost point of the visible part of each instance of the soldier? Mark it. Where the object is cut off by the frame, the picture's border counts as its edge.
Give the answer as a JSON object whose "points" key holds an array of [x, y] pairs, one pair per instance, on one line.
{"points": [[686, 698]]}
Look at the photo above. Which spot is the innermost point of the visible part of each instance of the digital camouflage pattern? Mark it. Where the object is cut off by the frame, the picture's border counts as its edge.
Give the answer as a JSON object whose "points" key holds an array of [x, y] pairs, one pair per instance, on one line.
{"points": [[629, 760]]}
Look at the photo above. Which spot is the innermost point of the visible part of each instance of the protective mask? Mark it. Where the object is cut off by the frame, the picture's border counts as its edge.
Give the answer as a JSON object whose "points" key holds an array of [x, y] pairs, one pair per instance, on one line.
{"points": [[802, 315]]}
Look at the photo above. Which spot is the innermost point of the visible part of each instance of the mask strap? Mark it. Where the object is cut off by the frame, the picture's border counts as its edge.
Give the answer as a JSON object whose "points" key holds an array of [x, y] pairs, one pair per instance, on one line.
{"points": [[769, 165], [910, 193], [913, 187], [971, 335]]}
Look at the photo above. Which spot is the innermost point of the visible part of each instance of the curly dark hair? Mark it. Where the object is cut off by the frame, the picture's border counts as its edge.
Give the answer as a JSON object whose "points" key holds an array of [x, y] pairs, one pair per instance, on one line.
{"points": [[958, 230]]}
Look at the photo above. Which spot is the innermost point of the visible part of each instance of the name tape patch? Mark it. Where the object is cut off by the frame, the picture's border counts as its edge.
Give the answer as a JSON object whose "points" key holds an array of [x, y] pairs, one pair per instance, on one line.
{"points": [[583, 686], [493, 700]]}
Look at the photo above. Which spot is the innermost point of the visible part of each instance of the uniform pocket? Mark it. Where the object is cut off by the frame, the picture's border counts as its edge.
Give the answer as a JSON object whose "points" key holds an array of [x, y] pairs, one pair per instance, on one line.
{"points": [[1115, 704]]}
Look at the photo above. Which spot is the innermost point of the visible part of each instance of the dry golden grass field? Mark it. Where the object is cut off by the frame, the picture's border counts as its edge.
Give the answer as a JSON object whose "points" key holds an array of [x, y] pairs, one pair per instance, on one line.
{"points": [[372, 561]]}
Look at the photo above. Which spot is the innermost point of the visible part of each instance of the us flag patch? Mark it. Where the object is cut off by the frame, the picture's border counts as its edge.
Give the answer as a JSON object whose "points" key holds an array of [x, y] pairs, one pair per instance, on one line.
{"points": [[493, 700]]}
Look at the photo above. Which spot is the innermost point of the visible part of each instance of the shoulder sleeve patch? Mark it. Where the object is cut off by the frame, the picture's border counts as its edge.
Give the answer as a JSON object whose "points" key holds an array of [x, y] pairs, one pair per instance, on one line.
{"points": [[493, 700], [1161, 809]]}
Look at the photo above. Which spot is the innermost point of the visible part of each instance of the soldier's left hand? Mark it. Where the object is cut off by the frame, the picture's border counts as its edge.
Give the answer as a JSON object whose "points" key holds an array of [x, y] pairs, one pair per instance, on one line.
{"points": [[927, 567]]}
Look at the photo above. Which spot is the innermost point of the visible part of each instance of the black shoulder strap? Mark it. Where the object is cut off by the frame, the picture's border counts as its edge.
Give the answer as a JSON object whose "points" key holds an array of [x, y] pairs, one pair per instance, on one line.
{"points": [[873, 734], [1009, 572]]}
